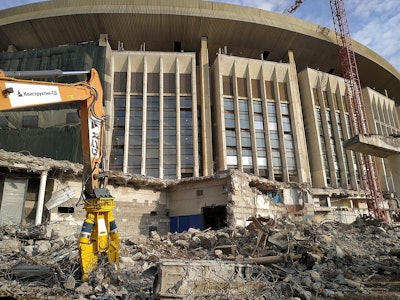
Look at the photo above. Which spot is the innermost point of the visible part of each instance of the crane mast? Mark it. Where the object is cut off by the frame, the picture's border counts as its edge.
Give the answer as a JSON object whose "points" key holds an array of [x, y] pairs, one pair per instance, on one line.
{"points": [[367, 165]]}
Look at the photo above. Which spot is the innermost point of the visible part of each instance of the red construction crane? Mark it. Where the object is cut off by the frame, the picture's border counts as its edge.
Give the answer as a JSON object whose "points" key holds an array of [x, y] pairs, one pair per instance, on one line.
{"points": [[368, 170], [367, 165]]}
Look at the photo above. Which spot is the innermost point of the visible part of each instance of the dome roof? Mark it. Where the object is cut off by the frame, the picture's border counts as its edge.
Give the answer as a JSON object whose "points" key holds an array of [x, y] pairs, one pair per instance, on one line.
{"points": [[159, 24]]}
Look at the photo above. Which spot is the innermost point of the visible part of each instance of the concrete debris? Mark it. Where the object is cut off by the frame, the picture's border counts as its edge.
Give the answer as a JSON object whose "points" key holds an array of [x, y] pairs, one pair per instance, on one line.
{"points": [[27, 162], [299, 260]]}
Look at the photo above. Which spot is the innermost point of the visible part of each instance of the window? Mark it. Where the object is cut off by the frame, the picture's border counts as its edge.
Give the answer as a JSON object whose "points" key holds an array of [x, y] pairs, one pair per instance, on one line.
{"points": [[186, 133], [230, 138], [335, 101], [119, 82], [286, 118], [274, 139], [316, 97], [169, 83], [258, 123], [227, 85], [269, 89], [152, 136], [345, 106], [256, 88], [244, 120], [323, 147], [242, 87], [325, 98], [229, 104], [137, 83], [283, 93], [247, 159], [169, 137], [230, 133], [118, 138], [185, 83], [135, 134], [245, 137], [290, 155], [260, 138], [333, 143], [231, 157], [153, 83]]}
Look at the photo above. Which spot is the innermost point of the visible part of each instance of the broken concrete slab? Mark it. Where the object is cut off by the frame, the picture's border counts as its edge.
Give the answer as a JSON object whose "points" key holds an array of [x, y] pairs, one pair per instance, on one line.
{"points": [[375, 145], [205, 278]]}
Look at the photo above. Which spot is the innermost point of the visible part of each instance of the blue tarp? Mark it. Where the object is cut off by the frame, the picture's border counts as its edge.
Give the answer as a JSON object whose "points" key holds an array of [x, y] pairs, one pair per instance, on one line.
{"points": [[183, 223]]}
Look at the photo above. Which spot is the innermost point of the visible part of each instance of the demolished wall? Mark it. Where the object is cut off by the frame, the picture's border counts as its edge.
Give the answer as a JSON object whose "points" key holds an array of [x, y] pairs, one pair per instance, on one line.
{"points": [[254, 196], [145, 204], [137, 212]]}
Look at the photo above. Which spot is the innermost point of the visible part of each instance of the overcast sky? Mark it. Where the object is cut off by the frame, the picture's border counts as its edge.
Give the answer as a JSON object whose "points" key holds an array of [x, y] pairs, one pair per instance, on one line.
{"points": [[373, 23]]}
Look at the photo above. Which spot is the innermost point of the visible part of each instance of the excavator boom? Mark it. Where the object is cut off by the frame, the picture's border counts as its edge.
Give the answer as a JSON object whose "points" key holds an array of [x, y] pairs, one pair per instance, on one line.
{"points": [[19, 93], [99, 231]]}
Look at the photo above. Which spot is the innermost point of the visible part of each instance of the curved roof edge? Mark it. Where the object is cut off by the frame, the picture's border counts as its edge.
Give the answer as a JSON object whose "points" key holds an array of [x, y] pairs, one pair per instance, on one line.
{"points": [[196, 8]]}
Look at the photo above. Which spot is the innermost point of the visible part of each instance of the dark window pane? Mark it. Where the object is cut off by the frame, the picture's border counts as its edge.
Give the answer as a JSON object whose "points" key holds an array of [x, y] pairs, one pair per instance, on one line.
{"points": [[137, 83], [120, 82], [153, 83]]}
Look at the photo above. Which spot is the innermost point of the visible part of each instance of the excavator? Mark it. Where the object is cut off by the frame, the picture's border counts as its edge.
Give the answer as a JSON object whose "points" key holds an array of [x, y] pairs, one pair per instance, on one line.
{"points": [[99, 234]]}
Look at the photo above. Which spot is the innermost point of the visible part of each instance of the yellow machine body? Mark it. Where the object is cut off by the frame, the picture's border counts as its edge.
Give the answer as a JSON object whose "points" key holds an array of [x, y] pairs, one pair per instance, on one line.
{"points": [[99, 232]]}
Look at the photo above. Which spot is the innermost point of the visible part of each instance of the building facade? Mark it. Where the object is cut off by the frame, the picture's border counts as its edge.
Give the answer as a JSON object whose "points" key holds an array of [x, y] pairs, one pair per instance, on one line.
{"points": [[184, 106]]}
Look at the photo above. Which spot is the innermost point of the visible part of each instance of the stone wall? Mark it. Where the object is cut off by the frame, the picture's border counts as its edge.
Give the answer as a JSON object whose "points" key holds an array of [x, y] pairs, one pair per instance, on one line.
{"points": [[137, 211], [189, 198]]}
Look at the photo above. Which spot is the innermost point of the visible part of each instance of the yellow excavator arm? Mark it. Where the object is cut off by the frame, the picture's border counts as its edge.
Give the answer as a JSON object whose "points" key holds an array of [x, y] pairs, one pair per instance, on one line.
{"points": [[99, 231], [19, 93]]}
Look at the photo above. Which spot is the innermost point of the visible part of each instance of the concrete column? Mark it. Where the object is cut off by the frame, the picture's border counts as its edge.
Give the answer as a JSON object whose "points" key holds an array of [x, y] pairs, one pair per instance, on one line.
{"points": [[127, 115], [144, 120], [265, 114], [40, 203], [205, 102], [108, 100], [161, 132], [296, 113], [178, 124], [237, 118], [195, 125], [251, 119], [394, 163], [218, 110]]}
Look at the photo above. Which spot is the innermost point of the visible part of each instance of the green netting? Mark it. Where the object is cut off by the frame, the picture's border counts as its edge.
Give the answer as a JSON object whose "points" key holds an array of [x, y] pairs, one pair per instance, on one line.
{"points": [[61, 142], [66, 58]]}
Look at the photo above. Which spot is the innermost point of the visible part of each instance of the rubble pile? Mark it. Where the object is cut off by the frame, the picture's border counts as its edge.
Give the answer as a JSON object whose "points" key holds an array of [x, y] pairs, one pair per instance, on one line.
{"points": [[279, 259]]}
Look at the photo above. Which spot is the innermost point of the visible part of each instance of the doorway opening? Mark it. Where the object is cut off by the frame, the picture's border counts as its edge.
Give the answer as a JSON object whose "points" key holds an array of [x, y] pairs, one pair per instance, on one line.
{"points": [[214, 217]]}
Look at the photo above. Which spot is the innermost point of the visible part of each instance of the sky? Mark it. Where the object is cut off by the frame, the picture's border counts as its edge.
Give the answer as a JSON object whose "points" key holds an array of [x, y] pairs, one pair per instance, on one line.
{"points": [[373, 23]]}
